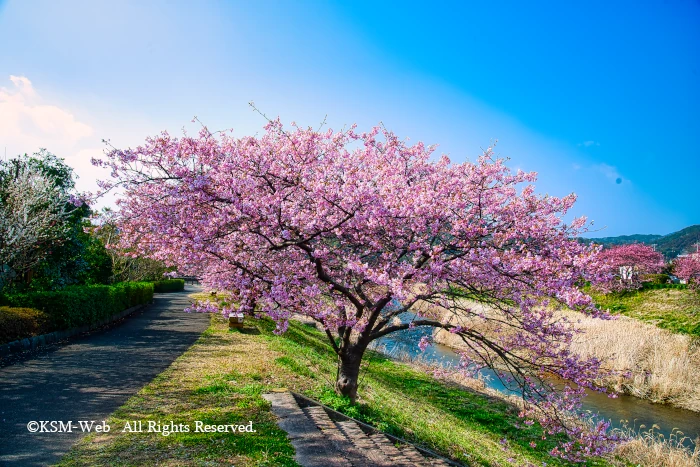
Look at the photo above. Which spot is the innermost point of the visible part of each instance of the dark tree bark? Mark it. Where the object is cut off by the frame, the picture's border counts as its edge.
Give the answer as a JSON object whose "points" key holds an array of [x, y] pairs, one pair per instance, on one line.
{"points": [[349, 372]]}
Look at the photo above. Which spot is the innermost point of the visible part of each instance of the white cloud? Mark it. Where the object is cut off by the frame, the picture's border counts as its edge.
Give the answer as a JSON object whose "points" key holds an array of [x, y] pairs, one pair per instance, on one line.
{"points": [[588, 143], [28, 123]]}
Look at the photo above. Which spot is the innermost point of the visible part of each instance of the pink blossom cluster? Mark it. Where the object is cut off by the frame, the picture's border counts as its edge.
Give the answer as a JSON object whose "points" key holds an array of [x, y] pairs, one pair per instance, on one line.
{"points": [[688, 269], [76, 201], [424, 342], [337, 226], [626, 265], [204, 307]]}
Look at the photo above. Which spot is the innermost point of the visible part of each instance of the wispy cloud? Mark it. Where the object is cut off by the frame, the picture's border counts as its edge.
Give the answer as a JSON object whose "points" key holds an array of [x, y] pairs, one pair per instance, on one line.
{"points": [[610, 172], [588, 144]]}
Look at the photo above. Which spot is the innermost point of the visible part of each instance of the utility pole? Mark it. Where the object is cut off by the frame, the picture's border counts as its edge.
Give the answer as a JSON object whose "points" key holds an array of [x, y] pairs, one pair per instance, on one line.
{"points": [[653, 245]]}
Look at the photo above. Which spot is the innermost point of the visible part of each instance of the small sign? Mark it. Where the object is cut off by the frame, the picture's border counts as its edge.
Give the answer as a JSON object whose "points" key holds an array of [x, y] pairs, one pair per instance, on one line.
{"points": [[235, 320], [626, 273]]}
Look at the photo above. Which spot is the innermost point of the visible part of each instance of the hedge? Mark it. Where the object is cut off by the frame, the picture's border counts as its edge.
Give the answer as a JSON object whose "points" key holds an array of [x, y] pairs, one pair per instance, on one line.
{"points": [[169, 285], [82, 305], [18, 323], [649, 285], [656, 279]]}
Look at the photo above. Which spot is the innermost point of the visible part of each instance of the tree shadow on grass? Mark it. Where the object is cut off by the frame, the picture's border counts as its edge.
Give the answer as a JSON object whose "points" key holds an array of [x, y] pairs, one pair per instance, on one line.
{"points": [[250, 330], [477, 412]]}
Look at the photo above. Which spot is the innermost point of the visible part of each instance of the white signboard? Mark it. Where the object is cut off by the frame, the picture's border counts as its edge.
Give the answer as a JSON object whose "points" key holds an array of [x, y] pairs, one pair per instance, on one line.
{"points": [[626, 273]]}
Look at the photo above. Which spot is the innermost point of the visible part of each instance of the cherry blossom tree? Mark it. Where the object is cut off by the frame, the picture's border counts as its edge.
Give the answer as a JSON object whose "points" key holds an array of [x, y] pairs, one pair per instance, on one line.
{"points": [[125, 266], [688, 268], [626, 265], [355, 230]]}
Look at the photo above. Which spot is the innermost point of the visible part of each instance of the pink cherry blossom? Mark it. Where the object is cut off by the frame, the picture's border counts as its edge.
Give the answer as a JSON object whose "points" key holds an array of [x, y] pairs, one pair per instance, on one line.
{"points": [[355, 229], [688, 269], [626, 265]]}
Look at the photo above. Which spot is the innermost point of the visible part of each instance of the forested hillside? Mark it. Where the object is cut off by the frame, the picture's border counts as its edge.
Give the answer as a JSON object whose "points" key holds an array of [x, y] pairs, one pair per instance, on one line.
{"points": [[670, 245]]}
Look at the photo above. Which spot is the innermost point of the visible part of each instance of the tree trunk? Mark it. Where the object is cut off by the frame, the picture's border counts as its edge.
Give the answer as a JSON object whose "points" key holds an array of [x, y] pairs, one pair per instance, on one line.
{"points": [[348, 373]]}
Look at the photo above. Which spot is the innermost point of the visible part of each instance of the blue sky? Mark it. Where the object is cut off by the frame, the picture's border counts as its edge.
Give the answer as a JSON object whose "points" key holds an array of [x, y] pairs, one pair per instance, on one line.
{"points": [[602, 100]]}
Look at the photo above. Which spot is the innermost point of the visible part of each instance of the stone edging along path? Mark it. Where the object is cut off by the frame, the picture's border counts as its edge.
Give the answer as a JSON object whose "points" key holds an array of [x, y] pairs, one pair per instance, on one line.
{"points": [[33, 343], [323, 437]]}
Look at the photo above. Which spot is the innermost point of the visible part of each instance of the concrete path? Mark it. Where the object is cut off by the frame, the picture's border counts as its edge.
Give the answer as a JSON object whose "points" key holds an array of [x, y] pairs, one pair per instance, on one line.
{"points": [[90, 377], [321, 441]]}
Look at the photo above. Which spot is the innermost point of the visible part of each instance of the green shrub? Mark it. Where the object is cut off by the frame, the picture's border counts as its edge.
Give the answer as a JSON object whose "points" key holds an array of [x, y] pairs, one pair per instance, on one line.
{"points": [[652, 286], [18, 323], [136, 293], [81, 305], [656, 279], [169, 285]]}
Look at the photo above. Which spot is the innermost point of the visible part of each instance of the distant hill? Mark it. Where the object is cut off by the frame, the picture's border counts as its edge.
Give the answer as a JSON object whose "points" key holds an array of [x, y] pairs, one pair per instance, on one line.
{"points": [[625, 239], [670, 245]]}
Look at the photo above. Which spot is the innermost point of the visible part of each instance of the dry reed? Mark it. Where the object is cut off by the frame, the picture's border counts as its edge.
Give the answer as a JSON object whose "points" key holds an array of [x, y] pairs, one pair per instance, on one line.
{"points": [[647, 448], [651, 363]]}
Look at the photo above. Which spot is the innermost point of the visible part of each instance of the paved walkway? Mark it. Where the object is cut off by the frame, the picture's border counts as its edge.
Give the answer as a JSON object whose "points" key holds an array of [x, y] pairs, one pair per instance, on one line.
{"points": [[89, 378], [321, 441]]}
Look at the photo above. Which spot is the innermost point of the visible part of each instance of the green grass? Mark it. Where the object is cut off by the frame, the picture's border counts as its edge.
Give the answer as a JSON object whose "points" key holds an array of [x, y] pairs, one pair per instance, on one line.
{"points": [[466, 426], [217, 381], [221, 378], [672, 309]]}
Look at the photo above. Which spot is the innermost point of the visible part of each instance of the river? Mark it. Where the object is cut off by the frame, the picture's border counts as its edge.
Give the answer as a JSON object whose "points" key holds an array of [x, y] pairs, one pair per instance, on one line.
{"points": [[636, 412]]}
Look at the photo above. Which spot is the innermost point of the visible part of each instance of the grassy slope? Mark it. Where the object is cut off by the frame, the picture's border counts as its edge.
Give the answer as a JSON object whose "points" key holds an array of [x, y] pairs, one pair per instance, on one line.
{"points": [[221, 379], [675, 310]]}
